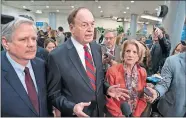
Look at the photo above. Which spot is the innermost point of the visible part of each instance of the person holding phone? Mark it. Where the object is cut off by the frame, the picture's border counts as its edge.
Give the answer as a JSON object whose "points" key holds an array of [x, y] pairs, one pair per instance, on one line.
{"points": [[131, 76], [160, 48]]}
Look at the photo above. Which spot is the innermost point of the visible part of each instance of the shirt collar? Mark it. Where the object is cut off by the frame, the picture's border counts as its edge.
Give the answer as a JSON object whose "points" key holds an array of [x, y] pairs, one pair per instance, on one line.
{"points": [[78, 45], [16, 65]]}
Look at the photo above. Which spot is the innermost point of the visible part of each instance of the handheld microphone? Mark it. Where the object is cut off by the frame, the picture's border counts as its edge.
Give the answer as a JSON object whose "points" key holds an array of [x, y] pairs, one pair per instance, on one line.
{"points": [[106, 53], [125, 108]]}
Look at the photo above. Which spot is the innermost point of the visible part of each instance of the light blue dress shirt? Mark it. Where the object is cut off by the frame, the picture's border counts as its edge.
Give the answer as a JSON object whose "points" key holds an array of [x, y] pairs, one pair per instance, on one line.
{"points": [[19, 69]]}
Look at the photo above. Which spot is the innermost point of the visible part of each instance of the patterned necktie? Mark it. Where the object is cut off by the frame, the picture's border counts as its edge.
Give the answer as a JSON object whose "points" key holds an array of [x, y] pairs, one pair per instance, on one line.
{"points": [[31, 89], [112, 52], [90, 67]]}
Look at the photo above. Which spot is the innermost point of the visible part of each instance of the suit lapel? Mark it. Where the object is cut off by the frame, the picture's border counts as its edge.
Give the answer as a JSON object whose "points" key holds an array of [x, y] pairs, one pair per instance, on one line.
{"points": [[74, 57], [38, 76], [12, 78]]}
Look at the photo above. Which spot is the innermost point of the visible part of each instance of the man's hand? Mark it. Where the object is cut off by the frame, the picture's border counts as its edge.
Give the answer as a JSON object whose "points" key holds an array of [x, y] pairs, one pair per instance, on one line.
{"points": [[154, 97], [78, 109], [159, 32], [118, 93]]}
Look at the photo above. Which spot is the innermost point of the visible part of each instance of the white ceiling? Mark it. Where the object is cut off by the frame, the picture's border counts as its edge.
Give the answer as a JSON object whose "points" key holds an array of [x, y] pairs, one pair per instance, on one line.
{"points": [[109, 8]]}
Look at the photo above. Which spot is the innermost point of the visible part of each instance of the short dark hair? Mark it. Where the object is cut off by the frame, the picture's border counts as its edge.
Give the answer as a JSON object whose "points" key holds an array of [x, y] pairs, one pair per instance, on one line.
{"points": [[73, 14], [60, 29]]}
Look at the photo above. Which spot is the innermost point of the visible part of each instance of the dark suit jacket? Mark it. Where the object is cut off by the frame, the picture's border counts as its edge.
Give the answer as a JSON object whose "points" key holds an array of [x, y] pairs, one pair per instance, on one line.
{"points": [[68, 83], [14, 99]]}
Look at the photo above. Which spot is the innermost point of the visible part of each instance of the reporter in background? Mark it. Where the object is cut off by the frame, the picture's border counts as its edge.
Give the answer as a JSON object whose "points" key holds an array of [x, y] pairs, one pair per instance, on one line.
{"points": [[160, 48], [131, 76], [171, 90], [113, 49]]}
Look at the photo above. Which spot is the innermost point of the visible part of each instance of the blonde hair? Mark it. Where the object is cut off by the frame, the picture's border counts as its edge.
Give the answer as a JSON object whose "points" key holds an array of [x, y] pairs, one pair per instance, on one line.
{"points": [[118, 39], [133, 42]]}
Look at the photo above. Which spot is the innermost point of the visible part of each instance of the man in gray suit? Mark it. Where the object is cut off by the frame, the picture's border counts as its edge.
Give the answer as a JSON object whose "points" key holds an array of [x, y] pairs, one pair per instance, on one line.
{"points": [[171, 90], [76, 84], [110, 40]]}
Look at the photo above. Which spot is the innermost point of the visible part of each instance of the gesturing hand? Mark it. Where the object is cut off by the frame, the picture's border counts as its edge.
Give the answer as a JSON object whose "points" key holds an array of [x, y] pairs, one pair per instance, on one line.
{"points": [[118, 93], [78, 109]]}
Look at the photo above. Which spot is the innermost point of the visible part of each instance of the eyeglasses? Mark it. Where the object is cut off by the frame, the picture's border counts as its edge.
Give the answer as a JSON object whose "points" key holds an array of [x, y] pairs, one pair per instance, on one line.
{"points": [[109, 38]]}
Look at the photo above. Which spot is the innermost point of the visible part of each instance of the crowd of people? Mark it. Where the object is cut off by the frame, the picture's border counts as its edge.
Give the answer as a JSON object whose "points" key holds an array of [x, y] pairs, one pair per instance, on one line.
{"points": [[69, 74]]}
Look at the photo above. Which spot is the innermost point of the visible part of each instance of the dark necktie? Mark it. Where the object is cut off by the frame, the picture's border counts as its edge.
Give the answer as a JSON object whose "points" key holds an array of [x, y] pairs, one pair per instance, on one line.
{"points": [[90, 67], [31, 90]]}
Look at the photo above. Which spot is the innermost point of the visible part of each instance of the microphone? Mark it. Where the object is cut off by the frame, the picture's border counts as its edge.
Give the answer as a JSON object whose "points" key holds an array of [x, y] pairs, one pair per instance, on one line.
{"points": [[125, 108], [106, 53]]}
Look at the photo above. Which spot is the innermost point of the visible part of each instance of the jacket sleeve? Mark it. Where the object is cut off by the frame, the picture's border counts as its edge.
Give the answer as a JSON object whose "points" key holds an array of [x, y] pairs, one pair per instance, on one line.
{"points": [[166, 74], [165, 45], [112, 107], [54, 88]]}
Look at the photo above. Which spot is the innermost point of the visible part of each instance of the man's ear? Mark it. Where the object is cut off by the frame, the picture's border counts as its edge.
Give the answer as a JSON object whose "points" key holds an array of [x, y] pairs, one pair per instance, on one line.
{"points": [[71, 27], [5, 42]]}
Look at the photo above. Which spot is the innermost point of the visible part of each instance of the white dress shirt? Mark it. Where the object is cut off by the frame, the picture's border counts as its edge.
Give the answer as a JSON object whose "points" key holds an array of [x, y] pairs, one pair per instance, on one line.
{"points": [[19, 69], [80, 51]]}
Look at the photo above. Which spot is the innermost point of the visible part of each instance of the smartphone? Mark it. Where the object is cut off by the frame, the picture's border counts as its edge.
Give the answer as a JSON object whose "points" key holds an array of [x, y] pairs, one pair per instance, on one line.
{"points": [[147, 92]]}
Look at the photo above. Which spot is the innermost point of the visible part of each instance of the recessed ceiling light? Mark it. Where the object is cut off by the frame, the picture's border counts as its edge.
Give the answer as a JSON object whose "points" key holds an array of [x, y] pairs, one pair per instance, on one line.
{"points": [[39, 12], [156, 9], [57, 10], [72, 6], [47, 6], [132, 1], [99, 7], [24, 7], [32, 1], [101, 11], [124, 12], [127, 8], [96, 0]]}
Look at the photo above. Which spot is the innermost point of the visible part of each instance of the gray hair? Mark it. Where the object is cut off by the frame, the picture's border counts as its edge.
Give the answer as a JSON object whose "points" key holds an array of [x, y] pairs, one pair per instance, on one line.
{"points": [[9, 28], [110, 30]]}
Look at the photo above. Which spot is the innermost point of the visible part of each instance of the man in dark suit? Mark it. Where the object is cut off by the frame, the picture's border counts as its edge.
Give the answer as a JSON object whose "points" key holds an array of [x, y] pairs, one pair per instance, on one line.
{"points": [[75, 79], [23, 79]]}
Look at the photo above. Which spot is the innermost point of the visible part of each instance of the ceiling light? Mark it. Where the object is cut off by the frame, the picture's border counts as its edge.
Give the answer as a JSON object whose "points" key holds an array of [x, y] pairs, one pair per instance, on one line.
{"points": [[127, 8], [63, 0], [114, 18], [132, 1], [47, 6], [124, 12], [147, 23], [39, 12], [151, 17], [101, 11], [99, 7], [24, 7], [32, 1], [156, 9], [72, 7], [140, 22], [96, 0], [57, 10]]}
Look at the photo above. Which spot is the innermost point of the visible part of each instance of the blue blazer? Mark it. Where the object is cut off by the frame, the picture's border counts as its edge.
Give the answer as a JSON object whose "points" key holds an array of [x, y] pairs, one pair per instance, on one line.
{"points": [[14, 99], [172, 87]]}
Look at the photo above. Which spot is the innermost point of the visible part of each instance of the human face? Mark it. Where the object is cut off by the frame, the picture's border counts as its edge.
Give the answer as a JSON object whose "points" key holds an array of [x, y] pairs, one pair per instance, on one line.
{"points": [[130, 55], [50, 46], [83, 28], [22, 47], [154, 36], [178, 49], [110, 40]]}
